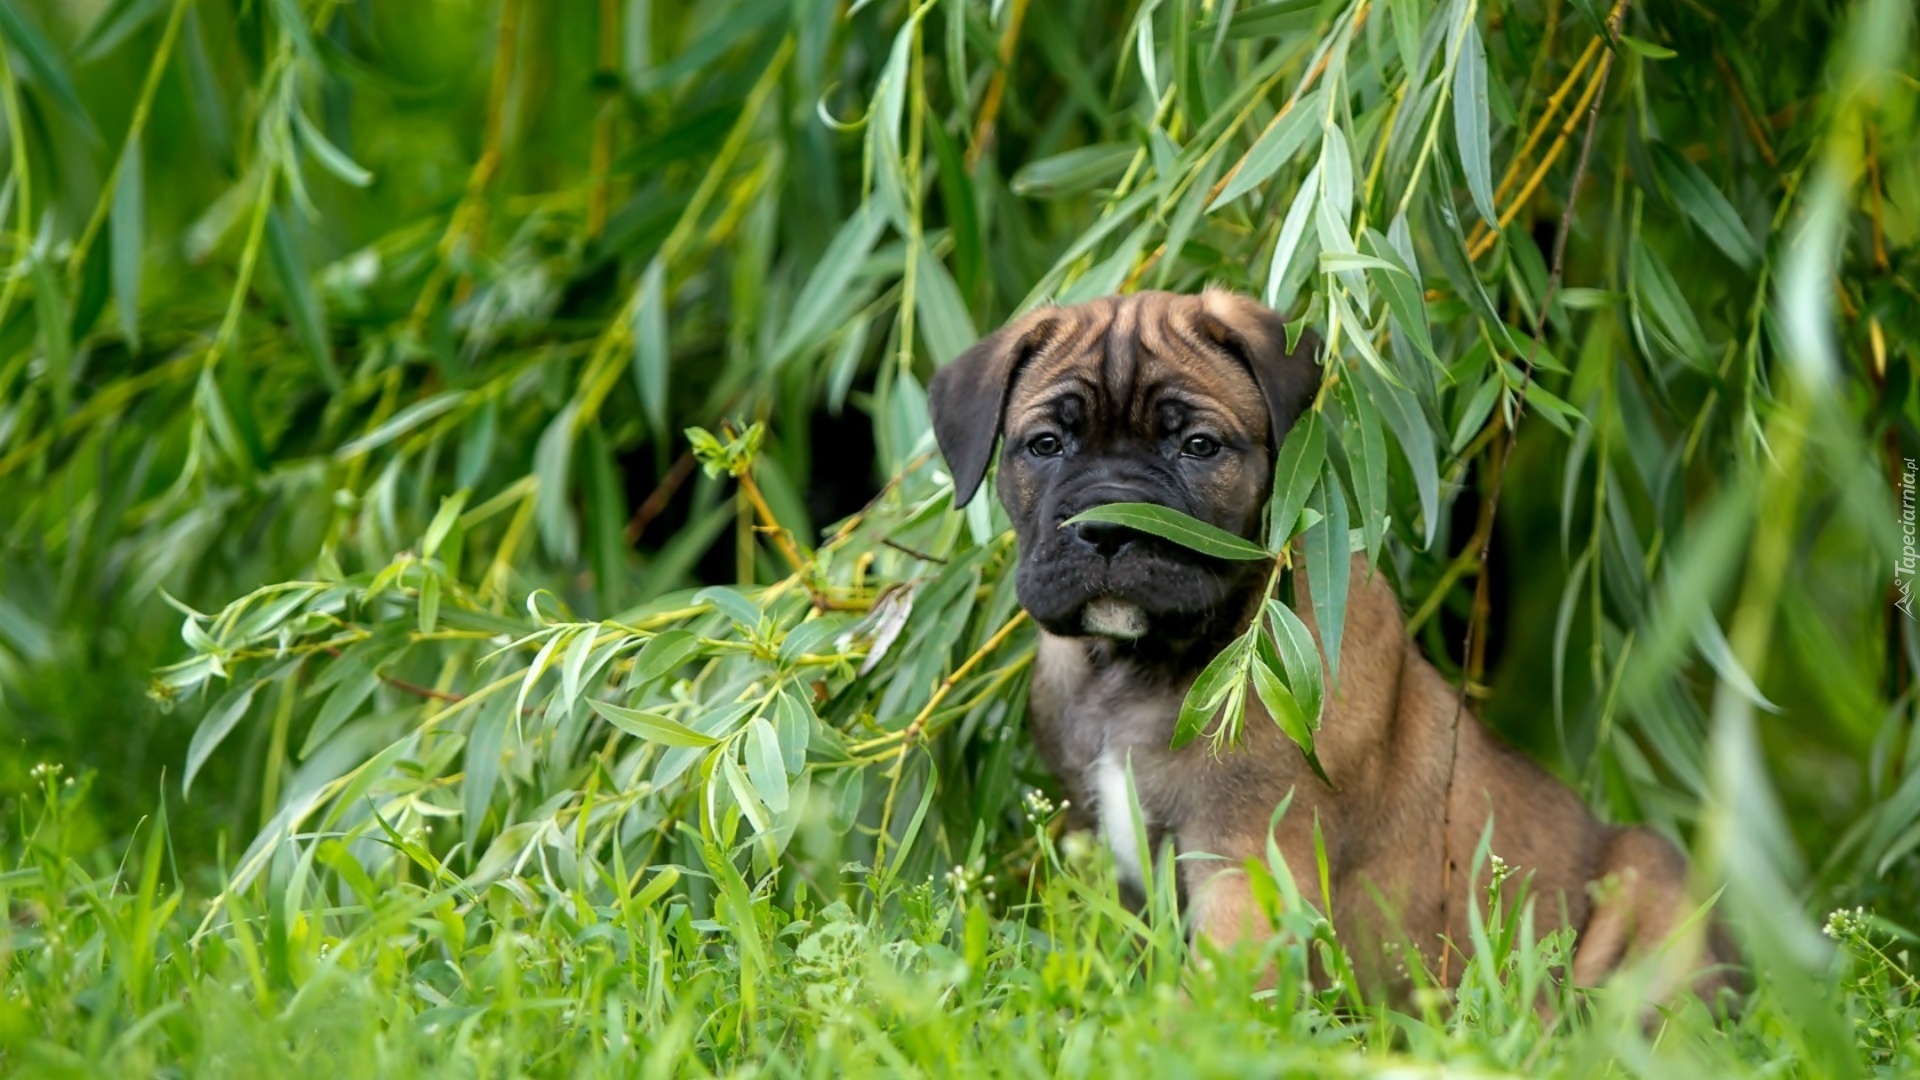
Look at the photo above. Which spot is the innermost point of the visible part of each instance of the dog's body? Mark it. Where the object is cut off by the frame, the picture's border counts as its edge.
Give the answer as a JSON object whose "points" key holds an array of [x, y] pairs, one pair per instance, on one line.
{"points": [[1180, 401]]}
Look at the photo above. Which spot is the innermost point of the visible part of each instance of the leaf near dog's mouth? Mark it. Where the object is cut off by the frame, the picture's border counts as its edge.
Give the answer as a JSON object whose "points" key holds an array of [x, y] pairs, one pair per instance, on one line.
{"points": [[1172, 525]]}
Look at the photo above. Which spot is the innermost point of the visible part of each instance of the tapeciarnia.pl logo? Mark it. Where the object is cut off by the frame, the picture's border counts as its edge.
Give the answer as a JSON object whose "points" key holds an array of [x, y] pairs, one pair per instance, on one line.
{"points": [[1909, 561]]}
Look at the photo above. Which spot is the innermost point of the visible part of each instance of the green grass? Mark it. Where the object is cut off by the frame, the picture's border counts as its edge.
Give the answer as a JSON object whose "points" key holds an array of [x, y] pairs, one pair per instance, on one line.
{"points": [[478, 594], [566, 971]]}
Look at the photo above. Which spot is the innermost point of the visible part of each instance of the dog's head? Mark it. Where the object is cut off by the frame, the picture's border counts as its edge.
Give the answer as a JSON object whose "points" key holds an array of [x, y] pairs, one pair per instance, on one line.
{"points": [[1153, 397]]}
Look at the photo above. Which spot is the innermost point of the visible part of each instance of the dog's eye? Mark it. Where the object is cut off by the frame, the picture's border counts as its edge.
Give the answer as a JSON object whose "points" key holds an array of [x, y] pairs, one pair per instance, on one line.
{"points": [[1201, 446], [1044, 445]]}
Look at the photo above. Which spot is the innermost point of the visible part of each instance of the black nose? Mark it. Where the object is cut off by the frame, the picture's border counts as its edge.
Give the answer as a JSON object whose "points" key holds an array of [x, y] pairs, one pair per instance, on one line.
{"points": [[1106, 538]]}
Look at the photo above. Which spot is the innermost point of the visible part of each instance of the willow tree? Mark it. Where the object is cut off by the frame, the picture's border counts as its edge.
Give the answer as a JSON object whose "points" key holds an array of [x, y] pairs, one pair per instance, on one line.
{"points": [[420, 369]]}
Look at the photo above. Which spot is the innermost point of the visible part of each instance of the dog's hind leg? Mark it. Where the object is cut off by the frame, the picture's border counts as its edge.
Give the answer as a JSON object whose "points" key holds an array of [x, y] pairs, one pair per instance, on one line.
{"points": [[1641, 908]]}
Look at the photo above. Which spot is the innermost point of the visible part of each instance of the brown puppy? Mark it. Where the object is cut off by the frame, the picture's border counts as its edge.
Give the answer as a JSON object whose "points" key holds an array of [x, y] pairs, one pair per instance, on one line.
{"points": [[1181, 401]]}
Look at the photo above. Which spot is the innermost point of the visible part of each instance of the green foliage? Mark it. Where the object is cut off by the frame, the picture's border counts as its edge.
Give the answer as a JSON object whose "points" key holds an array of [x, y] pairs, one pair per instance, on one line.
{"points": [[574, 967], [528, 745]]}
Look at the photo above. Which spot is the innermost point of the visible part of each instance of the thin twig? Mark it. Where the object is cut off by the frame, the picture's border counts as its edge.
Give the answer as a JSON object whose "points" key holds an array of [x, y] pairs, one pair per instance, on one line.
{"points": [[770, 524], [656, 502], [997, 85], [403, 685], [1474, 630], [847, 527], [1539, 174], [1545, 121], [1874, 211], [1754, 131], [915, 552], [421, 691]]}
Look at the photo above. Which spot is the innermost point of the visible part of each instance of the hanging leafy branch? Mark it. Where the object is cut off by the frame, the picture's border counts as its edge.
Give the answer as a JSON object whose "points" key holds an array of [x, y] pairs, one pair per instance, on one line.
{"points": [[458, 372]]}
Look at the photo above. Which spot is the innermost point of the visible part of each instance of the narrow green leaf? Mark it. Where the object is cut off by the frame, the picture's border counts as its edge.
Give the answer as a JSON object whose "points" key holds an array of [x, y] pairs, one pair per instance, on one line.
{"points": [[1370, 475], [765, 764], [1358, 334], [1475, 412], [214, 728], [663, 655], [1570, 597], [944, 320], [443, 520], [1275, 147], [541, 662], [811, 636], [117, 20], [1171, 524], [1713, 645], [1275, 19], [731, 603], [823, 291], [303, 304], [749, 798], [1208, 691], [56, 338], [1655, 287], [1284, 710], [485, 741], [552, 469], [1192, 205], [663, 879], [1072, 172], [1328, 566], [330, 157], [958, 198], [1471, 125], [429, 602], [651, 727], [1300, 658], [650, 357], [1332, 262], [1404, 300], [345, 700], [1295, 471], [1709, 209], [1409, 424], [849, 794], [402, 422], [1106, 277], [1647, 48], [573, 668], [793, 722], [1406, 35], [126, 235], [91, 291], [46, 65], [1336, 185]]}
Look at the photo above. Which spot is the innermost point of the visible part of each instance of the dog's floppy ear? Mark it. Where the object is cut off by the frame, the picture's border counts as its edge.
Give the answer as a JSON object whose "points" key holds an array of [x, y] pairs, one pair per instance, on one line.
{"points": [[968, 398], [1256, 335]]}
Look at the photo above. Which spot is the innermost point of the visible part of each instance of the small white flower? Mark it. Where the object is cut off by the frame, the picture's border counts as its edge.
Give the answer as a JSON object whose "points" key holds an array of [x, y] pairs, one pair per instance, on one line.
{"points": [[1842, 923], [1501, 871], [960, 880]]}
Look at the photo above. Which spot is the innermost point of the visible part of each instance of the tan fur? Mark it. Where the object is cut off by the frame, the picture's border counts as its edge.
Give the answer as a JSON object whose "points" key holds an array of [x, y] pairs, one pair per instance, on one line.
{"points": [[1385, 738]]}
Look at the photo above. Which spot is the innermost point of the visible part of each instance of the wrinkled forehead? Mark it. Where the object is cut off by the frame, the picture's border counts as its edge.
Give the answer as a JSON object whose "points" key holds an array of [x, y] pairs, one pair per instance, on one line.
{"points": [[1131, 363]]}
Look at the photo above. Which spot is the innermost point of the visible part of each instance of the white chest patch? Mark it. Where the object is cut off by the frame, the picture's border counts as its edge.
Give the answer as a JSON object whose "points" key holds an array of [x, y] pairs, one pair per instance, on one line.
{"points": [[1116, 818]]}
